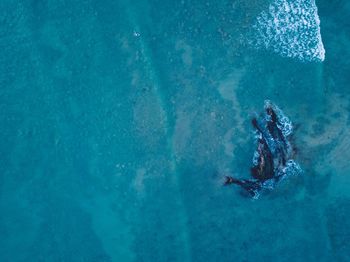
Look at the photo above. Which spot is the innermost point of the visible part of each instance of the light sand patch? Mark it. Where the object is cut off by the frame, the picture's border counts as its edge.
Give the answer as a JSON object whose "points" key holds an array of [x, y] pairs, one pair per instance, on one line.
{"points": [[335, 126], [227, 142], [206, 130], [228, 91], [186, 55], [138, 182], [336, 137], [112, 230], [149, 119], [228, 86], [340, 156], [182, 132]]}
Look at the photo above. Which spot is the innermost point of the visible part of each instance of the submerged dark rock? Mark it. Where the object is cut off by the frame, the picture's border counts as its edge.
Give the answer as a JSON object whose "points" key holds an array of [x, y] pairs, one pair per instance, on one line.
{"points": [[273, 158]]}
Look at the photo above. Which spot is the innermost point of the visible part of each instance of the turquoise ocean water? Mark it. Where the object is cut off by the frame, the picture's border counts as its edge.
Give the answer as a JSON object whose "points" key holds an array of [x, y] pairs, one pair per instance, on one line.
{"points": [[120, 118]]}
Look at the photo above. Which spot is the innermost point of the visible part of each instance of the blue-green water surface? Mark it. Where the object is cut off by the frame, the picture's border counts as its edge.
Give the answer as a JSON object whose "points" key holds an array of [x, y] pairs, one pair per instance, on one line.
{"points": [[120, 118]]}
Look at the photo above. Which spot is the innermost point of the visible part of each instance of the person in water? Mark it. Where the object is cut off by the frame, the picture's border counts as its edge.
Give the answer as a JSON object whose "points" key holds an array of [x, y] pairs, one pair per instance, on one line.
{"points": [[273, 152]]}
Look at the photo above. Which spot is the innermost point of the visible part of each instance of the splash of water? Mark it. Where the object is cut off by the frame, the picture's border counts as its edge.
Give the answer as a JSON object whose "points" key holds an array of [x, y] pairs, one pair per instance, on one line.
{"points": [[290, 28]]}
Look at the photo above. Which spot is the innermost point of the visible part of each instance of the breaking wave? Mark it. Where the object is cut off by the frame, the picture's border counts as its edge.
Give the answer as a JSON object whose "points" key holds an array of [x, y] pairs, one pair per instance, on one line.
{"points": [[290, 28]]}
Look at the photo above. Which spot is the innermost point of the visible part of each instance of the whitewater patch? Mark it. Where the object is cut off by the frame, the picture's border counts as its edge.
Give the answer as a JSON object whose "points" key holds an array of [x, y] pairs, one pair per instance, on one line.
{"points": [[290, 28]]}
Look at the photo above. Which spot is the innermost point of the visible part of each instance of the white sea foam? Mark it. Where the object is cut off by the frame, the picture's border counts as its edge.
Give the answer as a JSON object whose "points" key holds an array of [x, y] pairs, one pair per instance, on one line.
{"points": [[291, 168], [290, 28]]}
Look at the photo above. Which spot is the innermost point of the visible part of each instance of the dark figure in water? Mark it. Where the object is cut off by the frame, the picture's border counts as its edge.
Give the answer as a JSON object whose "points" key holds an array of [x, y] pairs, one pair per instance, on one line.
{"points": [[251, 186], [273, 152], [265, 167]]}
